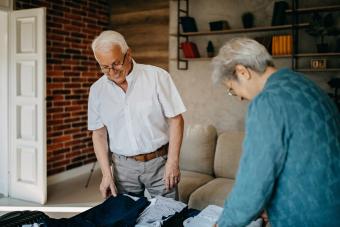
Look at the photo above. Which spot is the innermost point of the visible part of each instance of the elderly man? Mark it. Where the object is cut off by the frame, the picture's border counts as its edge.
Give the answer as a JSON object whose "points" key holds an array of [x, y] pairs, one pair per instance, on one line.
{"points": [[134, 110], [290, 164]]}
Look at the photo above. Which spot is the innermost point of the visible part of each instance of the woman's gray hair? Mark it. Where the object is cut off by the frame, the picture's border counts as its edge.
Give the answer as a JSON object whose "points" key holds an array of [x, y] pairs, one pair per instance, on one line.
{"points": [[243, 51], [107, 39]]}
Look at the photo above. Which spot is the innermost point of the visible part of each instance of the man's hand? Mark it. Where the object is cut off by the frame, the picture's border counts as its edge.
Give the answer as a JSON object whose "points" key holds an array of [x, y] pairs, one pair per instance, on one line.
{"points": [[172, 174], [265, 218], [107, 187]]}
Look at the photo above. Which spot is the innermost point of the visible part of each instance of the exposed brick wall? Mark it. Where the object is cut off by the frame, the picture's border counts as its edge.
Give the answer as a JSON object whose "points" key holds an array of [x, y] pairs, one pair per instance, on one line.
{"points": [[71, 69]]}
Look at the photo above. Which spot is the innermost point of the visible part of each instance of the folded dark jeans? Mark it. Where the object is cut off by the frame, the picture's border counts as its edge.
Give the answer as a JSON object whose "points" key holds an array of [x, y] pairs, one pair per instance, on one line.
{"points": [[119, 211]]}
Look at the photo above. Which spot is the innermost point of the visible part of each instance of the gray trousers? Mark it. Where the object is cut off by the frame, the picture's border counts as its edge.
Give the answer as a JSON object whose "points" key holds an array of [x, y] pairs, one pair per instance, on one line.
{"points": [[133, 177]]}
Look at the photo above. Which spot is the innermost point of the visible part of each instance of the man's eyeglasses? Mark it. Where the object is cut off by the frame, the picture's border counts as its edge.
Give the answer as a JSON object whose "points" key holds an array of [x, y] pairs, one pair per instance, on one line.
{"points": [[106, 70]]}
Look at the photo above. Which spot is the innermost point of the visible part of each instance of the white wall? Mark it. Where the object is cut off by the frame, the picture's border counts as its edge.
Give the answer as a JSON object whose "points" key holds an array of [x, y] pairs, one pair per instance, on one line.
{"points": [[207, 104], [3, 102]]}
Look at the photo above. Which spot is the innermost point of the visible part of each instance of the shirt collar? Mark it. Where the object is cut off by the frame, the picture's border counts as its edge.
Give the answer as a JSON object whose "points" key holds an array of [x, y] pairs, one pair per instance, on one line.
{"points": [[132, 75]]}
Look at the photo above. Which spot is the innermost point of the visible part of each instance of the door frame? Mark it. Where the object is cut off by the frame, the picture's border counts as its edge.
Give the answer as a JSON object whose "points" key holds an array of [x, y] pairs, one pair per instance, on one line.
{"points": [[4, 97]]}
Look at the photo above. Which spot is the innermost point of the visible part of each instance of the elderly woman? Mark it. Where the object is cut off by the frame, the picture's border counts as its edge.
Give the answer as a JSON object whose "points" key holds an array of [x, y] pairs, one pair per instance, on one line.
{"points": [[290, 165]]}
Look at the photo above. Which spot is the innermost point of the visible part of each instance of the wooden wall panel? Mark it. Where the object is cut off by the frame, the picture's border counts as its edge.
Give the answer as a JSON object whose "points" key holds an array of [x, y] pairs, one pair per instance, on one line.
{"points": [[145, 26]]}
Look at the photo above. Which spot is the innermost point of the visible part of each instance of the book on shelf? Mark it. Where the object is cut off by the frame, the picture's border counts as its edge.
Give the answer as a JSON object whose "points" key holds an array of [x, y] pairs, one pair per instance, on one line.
{"points": [[274, 45], [266, 41], [188, 24], [282, 45], [279, 13], [190, 50]]}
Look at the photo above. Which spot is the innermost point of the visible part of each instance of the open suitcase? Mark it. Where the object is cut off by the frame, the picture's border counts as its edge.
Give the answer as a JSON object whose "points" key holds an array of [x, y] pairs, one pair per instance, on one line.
{"points": [[19, 218]]}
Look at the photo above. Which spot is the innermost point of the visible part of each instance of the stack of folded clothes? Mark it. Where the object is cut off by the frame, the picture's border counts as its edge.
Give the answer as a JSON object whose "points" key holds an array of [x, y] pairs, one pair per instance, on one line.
{"points": [[123, 211]]}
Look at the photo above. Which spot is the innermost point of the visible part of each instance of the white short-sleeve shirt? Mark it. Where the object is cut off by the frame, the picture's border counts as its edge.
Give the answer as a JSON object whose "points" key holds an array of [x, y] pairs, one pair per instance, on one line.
{"points": [[136, 120]]}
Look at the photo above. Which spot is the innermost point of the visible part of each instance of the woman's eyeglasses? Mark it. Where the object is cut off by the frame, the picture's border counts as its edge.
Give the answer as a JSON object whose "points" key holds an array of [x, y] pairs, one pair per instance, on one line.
{"points": [[231, 92]]}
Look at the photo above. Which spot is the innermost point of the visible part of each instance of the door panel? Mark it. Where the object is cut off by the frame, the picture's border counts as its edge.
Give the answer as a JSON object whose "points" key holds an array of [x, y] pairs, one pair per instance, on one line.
{"points": [[27, 80], [27, 105], [26, 32]]}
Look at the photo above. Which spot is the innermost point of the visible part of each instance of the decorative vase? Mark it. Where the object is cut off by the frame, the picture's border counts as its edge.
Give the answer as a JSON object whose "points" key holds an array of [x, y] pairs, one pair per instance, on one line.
{"points": [[248, 20], [210, 49]]}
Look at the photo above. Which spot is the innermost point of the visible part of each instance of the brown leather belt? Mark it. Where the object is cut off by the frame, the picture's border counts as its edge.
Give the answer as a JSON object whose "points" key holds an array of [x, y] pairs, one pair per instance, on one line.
{"points": [[163, 150]]}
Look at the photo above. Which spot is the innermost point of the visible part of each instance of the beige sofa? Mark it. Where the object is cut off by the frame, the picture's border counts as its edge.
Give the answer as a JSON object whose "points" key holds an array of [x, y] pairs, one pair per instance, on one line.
{"points": [[208, 165]]}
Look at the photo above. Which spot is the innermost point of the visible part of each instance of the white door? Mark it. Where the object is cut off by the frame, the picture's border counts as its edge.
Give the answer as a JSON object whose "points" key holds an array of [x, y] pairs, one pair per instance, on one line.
{"points": [[27, 105]]}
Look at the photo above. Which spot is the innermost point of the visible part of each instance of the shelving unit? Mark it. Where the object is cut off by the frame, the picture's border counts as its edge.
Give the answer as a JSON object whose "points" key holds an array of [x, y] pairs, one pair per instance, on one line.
{"points": [[243, 30], [209, 59], [319, 70], [314, 9], [181, 64], [295, 12], [295, 26], [317, 54]]}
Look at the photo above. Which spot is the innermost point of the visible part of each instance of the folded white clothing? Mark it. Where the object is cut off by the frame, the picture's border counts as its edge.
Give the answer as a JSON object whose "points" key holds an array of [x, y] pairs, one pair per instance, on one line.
{"points": [[209, 216], [159, 209]]}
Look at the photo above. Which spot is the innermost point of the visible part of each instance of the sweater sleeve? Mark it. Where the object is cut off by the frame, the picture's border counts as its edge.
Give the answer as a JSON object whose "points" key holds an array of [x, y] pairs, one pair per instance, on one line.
{"points": [[263, 158]]}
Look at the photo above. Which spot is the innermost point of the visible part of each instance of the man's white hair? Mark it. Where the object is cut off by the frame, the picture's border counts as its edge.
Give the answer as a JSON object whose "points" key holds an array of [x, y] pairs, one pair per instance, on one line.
{"points": [[105, 41], [243, 51]]}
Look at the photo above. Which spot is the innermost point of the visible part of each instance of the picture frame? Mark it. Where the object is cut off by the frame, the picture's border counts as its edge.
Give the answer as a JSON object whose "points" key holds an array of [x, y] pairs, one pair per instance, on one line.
{"points": [[318, 63]]}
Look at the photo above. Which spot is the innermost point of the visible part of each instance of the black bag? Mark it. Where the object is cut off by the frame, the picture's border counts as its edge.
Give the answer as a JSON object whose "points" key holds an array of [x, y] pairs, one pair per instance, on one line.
{"points": [[19, 218]]}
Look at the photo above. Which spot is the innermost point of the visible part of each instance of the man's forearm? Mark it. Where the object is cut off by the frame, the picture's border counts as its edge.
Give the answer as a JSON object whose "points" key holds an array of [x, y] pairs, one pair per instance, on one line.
{"points": [[176, 126], [99, 138]]}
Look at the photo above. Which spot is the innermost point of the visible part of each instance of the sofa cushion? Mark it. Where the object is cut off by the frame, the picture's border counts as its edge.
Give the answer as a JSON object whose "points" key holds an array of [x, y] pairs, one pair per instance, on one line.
{"points": [[198, 149], [214, 192], [227, 155], [190, 181]]}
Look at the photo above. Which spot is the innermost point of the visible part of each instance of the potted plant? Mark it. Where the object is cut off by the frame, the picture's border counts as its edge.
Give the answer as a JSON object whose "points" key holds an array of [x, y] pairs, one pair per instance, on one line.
{"points": [[334, 31], [319, 27]]}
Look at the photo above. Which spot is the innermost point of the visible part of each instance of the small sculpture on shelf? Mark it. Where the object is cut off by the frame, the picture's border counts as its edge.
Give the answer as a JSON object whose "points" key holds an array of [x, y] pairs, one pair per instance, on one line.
{"points": [[210, 49]]}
